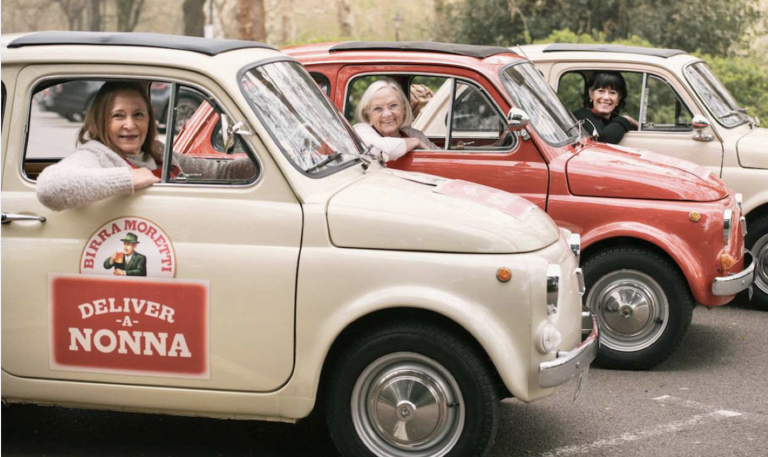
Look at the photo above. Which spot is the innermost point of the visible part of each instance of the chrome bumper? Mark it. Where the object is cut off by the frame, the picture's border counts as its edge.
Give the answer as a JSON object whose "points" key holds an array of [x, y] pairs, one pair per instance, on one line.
{"points": [[570, 363], [735, 283]]}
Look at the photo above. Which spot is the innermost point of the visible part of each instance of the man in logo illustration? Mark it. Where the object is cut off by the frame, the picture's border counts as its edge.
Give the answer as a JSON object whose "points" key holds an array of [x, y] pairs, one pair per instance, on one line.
{"points": [[128, 262]]}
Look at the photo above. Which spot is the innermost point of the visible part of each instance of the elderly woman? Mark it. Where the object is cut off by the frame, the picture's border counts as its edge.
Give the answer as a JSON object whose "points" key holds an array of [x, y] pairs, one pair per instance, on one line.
{"points": [[387, 116], [604, 98], [118, 153]]}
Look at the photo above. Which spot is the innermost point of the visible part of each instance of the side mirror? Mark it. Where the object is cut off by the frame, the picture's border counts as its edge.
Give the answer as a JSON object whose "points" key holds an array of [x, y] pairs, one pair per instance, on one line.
{"points": [[517, 119], [229, 130], [699, 124]]}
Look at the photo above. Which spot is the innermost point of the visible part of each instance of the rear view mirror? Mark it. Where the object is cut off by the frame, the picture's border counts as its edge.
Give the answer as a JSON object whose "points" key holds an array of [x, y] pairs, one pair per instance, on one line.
{"points": [[517, 119], [699, 124]]}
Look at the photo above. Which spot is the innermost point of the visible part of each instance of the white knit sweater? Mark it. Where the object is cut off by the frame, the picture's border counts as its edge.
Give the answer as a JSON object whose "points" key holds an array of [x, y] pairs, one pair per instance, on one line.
{"points": [[95, 172]]}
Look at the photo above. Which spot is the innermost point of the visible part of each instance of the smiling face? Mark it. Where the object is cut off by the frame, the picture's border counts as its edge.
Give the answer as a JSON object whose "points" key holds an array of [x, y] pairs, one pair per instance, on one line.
{"points": [[604, 101], [128, 248], [127, 122], [386, 112]]}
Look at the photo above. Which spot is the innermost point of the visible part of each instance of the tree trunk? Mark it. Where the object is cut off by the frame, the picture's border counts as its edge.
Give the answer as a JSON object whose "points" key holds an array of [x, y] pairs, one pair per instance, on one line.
{"points": [[251, 19], [288, 29], [345, 17], [128, 13], [194, 17], [73, 11], [94, 15]]}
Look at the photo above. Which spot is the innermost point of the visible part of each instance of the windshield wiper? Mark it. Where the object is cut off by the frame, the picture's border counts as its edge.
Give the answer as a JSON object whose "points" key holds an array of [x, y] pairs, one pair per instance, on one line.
{"points": [[733, 112], [335, 156]]}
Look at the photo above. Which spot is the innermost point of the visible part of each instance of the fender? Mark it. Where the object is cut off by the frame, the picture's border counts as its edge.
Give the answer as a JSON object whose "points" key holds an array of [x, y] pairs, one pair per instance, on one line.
{"points": [[511, 360], [674, 246]]}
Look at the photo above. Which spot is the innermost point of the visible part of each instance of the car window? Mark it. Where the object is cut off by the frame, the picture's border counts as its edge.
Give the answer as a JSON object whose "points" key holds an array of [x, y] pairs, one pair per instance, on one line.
{"points": [[475, 123], [322, 82], [58, 108], [664, 110]]}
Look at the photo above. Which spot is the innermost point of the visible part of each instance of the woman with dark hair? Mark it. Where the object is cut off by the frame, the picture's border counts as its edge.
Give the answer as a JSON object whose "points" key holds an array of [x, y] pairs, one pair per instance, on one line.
{"points": [[118, 153], [604, 97]]}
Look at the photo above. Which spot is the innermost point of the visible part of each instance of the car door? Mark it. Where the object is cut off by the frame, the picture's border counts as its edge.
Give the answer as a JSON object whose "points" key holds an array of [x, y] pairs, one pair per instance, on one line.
{"points": [[467, 125], [216, 307], [655, 98]]}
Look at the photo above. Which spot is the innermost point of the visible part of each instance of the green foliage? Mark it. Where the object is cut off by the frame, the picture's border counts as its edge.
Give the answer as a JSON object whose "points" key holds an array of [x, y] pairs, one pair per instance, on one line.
{"points": [[712, 26], [745, 79]]}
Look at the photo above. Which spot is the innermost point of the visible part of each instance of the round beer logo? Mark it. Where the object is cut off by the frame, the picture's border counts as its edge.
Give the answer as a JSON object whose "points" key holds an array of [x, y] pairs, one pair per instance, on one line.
{"points": [[129, 246]]}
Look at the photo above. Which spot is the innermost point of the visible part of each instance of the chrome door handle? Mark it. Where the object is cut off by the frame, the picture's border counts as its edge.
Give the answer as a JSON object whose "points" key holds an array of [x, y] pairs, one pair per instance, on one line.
{"points": [[8, 218]]}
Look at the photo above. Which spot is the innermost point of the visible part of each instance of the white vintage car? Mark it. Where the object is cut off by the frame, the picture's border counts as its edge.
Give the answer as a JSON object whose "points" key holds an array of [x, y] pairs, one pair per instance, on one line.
{"points": [[683, 111], [406, 305]]}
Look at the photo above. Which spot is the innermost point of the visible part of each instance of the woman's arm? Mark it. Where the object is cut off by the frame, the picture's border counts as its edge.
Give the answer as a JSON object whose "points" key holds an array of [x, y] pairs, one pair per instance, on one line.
{"points": [[609, 132], [394, 147], [242, 168], [80, 179]]}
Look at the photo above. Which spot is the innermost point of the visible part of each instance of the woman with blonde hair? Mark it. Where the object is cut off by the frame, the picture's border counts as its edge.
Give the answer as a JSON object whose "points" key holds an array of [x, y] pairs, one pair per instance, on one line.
{"points": [[386, 117], [118, 153]]}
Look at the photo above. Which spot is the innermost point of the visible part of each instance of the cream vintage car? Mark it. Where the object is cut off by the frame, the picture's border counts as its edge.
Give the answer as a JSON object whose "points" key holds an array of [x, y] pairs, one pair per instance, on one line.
{"points": [[684, 111], [405, 305]]}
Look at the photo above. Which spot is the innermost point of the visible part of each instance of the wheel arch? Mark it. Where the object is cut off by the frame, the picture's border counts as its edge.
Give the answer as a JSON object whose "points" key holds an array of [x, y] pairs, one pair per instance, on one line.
{"points": [[756, 213], [380, 317]]}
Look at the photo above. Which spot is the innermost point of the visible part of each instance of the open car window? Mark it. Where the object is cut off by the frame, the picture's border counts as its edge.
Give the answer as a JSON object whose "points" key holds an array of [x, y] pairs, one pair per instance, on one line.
{"points": [[58, 108]]}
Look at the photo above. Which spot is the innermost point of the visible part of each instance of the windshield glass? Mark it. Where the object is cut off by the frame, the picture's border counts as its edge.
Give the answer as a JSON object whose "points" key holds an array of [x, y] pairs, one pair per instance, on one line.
{"points": [[717, 98], [307, 127], [532, 94]]}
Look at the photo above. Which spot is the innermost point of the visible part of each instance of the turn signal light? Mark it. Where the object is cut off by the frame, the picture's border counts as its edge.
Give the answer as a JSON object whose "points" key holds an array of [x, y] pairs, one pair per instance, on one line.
{"points": [[503, 274], [726, 262]]}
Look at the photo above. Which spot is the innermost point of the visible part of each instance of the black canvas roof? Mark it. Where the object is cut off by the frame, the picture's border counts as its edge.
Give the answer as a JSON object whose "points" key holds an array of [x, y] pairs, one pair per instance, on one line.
{"points": [[206, 46], [422, 46], [666, 53]]}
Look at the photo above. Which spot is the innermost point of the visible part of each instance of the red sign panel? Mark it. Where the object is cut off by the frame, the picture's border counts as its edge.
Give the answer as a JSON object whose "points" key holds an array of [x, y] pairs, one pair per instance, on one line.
{"points": [[139, 326]]}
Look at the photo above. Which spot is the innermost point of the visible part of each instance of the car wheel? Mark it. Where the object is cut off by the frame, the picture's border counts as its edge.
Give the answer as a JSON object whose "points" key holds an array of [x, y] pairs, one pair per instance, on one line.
{"points": [[642, 303], [412, 390], [757, 242]]}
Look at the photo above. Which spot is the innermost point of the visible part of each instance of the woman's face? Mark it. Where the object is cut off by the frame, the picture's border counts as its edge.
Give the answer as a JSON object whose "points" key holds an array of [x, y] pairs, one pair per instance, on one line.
{"points": [[604, 101], [386, 112], [127, 122]]}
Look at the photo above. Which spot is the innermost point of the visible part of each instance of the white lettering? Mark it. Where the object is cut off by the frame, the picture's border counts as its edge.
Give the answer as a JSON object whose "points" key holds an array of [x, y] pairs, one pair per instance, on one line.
{"points": [[151, 340], [127, 321], [112, 307], [152, 308], [138, 305], [100, 305], [110, 336], [84, 338], [86, 310], [179, 344], [134, 343], [167, 314]]}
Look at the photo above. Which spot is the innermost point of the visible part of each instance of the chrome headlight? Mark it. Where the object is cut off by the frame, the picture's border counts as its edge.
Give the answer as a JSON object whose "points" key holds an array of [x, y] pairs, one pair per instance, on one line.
{"points": [[575, 242], [727, 224], [553, 287]]}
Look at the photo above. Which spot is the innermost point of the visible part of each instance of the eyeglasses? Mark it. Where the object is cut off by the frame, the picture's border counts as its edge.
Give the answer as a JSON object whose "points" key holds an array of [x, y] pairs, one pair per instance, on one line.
{"points": [[390, 107]]}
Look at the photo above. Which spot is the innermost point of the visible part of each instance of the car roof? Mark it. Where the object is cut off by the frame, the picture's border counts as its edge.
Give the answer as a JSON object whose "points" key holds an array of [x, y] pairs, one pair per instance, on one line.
{"points": [[468, 50], [569, 47], [205, 46]]}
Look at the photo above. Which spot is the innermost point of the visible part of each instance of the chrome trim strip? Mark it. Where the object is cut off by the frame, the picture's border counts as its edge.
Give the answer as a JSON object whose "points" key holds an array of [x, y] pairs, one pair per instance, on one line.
{"points": [[553, 287], [743, 225], [571, 363], [575, 242], [727, 224], [739, 199], [580, 280], [735, 283]]}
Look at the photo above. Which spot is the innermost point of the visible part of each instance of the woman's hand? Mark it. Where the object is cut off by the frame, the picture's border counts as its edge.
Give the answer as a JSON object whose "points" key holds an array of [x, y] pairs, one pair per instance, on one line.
{"points": [[632, 123], [414, 143], [142, 177]]}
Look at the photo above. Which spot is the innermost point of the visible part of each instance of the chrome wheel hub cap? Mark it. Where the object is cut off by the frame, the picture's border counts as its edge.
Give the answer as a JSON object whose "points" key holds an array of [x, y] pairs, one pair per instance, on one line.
{"points": [[631, 308], [405, 404], [760, 251]]}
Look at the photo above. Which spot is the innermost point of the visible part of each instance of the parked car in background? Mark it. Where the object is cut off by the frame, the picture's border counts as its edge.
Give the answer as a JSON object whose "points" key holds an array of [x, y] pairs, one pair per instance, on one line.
{"points": [[72, 99], [684, 111], [406, 305], [658, 234]]}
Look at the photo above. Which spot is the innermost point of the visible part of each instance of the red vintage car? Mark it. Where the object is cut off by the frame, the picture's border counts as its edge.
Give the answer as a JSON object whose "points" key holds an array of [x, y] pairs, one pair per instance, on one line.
{"points": [[658, 234]]}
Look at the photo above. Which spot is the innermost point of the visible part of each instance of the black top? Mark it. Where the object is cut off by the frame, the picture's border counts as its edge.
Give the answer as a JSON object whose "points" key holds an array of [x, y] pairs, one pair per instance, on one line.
{"points": [[206, 46], [611, 131], [666, 53], [422, 46]]}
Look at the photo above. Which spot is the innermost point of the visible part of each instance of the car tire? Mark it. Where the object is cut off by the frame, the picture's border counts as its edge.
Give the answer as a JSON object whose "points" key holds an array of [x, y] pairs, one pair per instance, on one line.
{"points": [[643, 306], [757, 242], [391, 367]]}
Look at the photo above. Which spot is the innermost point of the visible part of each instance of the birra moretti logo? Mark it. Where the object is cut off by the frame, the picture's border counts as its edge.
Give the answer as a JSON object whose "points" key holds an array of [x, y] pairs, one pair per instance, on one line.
{"points": [[129, 325], [129, 246]]}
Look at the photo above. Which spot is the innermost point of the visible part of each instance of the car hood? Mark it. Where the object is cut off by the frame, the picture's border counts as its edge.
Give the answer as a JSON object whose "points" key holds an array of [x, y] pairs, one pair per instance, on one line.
{"points": [[615, 171], [397, 210], [752, 149]]}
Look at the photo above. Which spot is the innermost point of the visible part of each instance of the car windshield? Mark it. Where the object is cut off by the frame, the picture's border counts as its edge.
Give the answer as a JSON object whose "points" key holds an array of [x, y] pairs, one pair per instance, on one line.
{"points": [[300, 118], [717, 98], [549, 117]]}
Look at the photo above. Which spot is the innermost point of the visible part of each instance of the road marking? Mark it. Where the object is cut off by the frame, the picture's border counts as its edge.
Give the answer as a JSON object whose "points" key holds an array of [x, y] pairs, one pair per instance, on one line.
{"points": [[712, 415]]}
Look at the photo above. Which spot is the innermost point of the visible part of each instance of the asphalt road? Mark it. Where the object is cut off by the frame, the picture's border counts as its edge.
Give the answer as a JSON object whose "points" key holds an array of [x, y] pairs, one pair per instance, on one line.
{"points": [[710, 399]]}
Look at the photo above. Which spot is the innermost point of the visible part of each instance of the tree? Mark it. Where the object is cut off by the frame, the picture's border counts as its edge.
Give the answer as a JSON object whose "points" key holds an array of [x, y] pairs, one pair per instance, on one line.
{"points": [[194, 17], [73, 11], [94, 15], [128, 13], [345, 17], [251, 20]]}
